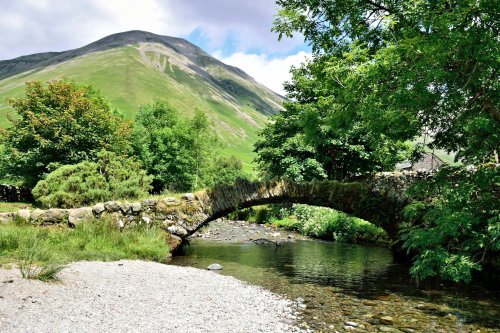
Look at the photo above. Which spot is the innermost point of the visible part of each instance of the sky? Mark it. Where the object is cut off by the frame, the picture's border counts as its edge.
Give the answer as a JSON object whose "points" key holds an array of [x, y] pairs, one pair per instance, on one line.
{"points": [[235, 31]]}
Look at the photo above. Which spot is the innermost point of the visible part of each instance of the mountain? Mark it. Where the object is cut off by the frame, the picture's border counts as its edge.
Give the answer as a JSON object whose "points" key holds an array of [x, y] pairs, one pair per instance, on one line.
{"points": [[133, 68]]}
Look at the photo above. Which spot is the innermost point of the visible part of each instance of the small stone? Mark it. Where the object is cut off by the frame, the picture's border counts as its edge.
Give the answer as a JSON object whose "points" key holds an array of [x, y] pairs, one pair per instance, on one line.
{"points": [[25, 214], [78, 215], [170, 201], [214, 267], [6, 217], [369, 303], [112, 206], [177, 230], [386, 320], [351, 323], [386, 329], [125, 208], [98, 209], [149, 202], [408, 330], [188, 197], [136, 207]]}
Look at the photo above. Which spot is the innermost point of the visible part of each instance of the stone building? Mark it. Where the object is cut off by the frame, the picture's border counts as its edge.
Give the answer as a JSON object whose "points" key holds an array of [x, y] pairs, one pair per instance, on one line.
{"points": [[428, 162]]}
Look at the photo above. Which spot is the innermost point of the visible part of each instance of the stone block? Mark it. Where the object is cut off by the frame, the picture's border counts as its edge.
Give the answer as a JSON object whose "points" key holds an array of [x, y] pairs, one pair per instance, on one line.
{"points": [[98, 209], [79, 215], [112, 206]]}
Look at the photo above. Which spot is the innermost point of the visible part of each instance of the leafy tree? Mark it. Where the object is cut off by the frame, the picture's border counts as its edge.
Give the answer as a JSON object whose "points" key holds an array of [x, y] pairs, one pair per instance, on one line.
{"points": [[163, 143], [301, 146], [182, 155], [61, 123], [202, 146], [111, 177], [386, 72], [224, 171], [454, 227], [403, 69]]}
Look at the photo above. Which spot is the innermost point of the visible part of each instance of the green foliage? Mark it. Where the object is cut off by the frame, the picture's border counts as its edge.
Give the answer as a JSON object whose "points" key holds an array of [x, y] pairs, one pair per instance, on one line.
{"points": [[182, 155], [317, 222], [162, 142], [86, 183], [91, 240], [454, 226], [225, 170], [386, 72], [326, 223], [311, 140], [401, 69], [58, 124]]}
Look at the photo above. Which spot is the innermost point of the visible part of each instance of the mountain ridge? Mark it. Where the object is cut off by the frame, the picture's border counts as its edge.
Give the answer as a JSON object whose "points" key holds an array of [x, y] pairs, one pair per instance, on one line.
{"points": [[134, 67]]}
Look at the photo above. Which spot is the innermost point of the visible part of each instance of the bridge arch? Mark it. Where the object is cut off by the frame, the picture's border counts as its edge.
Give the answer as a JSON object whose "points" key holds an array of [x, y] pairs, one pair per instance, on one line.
{"points": [[379, 199]]}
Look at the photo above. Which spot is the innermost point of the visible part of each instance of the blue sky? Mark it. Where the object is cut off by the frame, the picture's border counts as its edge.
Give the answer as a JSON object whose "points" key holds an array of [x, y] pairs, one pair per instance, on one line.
{"points": [[235, 31]]}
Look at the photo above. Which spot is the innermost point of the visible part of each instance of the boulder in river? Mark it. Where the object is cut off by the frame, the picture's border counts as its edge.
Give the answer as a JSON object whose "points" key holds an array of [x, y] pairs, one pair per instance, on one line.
{"points": [[214, 267]]}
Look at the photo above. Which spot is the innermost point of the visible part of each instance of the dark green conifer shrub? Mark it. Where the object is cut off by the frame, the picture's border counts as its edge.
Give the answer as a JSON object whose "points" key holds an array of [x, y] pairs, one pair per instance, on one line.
{"points": [[85, 183]]}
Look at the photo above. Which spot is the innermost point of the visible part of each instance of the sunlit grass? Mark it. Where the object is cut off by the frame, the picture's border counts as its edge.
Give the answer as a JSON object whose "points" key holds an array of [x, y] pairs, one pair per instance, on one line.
{"points": [[41, 251]]}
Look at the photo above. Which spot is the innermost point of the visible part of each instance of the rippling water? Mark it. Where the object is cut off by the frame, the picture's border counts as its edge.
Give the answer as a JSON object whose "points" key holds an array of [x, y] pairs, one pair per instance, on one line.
{"points": [[343, 283]]}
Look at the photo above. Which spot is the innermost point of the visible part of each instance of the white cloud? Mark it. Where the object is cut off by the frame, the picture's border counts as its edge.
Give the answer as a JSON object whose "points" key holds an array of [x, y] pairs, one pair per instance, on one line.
{"points": [[270, 72], [31, 26]]}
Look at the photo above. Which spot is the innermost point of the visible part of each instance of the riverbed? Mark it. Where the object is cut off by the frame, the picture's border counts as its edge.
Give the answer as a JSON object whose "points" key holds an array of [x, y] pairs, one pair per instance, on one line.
{"points": [[343, 287]]}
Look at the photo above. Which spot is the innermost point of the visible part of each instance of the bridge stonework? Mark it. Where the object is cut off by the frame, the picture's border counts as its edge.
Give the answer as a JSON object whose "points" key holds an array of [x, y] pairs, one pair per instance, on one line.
{"points": [[379, 199]]}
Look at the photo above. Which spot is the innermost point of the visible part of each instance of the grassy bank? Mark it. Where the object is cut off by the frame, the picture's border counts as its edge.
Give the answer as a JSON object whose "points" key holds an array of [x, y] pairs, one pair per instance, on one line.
{"points": [[13, 206], [41, 251]]}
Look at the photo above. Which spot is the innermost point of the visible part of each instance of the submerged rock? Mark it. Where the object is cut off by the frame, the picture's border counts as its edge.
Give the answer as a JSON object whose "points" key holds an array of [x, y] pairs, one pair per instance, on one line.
{"points": [[214, 267]]}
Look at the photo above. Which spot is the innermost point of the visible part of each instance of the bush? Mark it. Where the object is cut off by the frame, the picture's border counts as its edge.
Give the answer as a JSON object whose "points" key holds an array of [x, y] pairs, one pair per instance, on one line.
{"points": [[112, 177], [326, 223], [60, 124]]}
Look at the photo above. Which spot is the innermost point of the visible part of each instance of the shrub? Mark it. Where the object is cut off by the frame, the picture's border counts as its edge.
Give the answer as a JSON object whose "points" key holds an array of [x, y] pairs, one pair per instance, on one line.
{"points": [[111, 177], [327, 223]]}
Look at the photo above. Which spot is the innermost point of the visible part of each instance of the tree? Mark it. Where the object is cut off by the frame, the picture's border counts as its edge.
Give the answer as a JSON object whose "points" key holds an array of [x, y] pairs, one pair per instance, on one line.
{"points": [[182, 155], [163, 143], [110, 177], [388, 72], [405, 69], [301, 146], [204, 146], [58, 124]]}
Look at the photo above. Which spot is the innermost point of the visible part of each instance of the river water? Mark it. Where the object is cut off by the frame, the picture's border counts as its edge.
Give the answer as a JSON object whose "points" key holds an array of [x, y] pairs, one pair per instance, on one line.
{"points": [[349, 288]]}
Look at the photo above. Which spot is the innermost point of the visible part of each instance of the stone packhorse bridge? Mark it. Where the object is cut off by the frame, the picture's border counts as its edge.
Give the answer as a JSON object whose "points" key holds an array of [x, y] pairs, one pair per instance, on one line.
{"points": [[379, 199]]}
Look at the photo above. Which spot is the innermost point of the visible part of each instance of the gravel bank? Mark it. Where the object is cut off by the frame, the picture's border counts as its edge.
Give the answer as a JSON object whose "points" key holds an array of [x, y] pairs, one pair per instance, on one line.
{"points": [[138, 296]]}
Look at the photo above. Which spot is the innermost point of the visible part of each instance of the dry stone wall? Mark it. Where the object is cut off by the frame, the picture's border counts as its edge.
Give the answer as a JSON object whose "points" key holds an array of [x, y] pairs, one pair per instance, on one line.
{"points": [[379, 199], [11, 193]]}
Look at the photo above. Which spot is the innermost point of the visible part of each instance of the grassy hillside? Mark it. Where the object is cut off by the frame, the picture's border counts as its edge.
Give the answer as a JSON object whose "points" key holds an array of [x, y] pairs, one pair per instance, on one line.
{"points": [[134, 72]]}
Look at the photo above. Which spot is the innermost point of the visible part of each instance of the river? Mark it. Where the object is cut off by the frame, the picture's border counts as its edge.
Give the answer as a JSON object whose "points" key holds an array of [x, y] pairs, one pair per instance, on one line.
{"points": [[349, 288]]}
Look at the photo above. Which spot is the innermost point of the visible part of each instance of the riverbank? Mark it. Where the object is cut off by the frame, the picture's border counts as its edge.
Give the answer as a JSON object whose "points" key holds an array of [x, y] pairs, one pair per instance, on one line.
{"points": [[139, 296], [223, 230]]}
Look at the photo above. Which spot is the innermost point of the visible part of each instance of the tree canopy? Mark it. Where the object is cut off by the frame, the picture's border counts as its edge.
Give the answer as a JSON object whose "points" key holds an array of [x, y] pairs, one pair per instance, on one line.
{"points": [[402, 69], [182, 155], [57, 124], [388, 72]]}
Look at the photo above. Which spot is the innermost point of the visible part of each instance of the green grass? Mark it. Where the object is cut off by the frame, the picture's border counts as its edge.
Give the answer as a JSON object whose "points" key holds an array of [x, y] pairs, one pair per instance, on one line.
{"points": [[13, 206], [41, 251]]}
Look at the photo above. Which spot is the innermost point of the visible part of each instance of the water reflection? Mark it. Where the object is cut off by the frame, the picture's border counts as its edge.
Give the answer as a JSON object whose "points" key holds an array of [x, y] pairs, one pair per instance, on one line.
{"points": [[335, 279]]}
